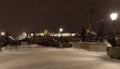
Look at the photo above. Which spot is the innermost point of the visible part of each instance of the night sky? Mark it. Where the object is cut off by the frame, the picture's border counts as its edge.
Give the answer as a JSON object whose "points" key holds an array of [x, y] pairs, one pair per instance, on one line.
{"points": [[37, 15]]}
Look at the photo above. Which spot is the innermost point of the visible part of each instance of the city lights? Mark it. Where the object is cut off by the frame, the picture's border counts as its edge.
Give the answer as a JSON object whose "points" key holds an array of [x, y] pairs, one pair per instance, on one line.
{"points": [[31, 34]]}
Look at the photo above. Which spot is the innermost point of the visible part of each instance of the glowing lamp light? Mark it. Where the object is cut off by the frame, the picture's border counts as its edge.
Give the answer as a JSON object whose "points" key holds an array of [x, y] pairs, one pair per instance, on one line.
{"points": [[114, 16], [32, 34], [2, 33], [61, 30]]}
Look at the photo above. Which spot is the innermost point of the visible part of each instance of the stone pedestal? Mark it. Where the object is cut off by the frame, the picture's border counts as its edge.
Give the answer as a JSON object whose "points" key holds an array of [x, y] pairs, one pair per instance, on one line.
{"points": [[113, 52]]}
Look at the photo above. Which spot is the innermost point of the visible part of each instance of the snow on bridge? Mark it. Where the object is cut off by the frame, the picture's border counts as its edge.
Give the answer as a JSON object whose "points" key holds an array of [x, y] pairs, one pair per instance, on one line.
{"points": [[55, 58]]}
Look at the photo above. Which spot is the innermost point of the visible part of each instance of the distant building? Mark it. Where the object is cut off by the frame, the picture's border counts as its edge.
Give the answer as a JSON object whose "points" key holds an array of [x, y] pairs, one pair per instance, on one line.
{"points": [[54, 34]]}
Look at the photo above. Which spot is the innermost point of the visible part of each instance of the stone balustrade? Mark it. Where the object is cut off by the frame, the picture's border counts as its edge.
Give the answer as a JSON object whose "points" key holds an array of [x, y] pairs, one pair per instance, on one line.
{"points": [[91, 46]]}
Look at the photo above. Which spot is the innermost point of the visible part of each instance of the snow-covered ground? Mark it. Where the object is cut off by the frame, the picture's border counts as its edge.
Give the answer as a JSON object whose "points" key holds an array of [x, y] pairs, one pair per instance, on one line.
{"points": [[55, 58]]}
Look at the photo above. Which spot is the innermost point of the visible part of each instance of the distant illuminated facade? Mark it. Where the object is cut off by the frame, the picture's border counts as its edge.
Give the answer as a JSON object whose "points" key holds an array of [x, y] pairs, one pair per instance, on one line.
{"points": [[62, 34], [47, 33], [54, 34]]}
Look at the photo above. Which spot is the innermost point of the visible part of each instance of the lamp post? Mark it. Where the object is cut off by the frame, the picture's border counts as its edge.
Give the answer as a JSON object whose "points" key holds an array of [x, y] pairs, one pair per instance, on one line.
{"points": [[114, 17], [61, 30]]}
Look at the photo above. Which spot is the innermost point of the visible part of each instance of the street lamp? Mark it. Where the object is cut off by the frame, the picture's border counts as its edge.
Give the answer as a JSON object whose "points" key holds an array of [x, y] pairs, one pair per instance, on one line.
{"points": [[2, 33], [114, 17], [60, 31]]}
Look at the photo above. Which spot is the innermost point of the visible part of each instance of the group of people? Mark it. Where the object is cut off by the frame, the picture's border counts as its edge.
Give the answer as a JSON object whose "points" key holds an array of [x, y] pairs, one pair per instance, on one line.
{"points": [[14, 43], [113, 41], [50, 42]]}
